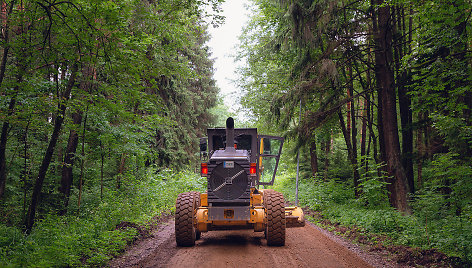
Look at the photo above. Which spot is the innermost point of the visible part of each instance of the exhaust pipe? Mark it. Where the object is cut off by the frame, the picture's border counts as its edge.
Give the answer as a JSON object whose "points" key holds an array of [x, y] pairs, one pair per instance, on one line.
{"points": [[230, 135]]}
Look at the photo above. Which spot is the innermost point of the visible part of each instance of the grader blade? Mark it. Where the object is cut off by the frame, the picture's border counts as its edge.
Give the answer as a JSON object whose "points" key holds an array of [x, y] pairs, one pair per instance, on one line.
{"points": [[294, 217]]}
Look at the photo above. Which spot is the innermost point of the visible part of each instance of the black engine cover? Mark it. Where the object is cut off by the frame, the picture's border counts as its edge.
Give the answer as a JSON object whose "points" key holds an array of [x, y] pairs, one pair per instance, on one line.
{"points": [[228, 182]]}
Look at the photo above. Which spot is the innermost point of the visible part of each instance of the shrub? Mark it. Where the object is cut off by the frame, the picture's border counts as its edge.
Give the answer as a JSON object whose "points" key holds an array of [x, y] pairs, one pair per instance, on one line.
{"points": [[439, 221], [89, 237]]}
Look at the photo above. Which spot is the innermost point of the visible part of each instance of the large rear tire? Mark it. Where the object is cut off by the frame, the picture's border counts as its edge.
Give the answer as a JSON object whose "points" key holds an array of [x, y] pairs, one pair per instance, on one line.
{"points": [[274, 204], [185, 207]]}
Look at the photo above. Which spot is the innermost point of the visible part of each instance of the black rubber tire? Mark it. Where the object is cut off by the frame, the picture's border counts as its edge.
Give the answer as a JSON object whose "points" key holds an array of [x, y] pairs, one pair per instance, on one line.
{"points": [[274, 204], [185, 206], [198, 234]]}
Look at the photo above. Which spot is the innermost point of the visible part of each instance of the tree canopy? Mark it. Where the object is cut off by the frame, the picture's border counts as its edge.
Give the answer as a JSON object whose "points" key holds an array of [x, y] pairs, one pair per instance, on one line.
{"points": [[97, 89], [365, 65]]}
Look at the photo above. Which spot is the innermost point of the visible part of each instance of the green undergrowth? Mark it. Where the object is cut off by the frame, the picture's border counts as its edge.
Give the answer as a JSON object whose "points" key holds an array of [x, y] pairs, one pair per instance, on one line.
{"points": [[426, 228], [90, 237]]}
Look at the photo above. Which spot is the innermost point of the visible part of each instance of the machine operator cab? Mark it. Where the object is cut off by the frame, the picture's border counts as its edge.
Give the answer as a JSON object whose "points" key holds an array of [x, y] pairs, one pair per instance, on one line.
{"points": [[257, 154]]}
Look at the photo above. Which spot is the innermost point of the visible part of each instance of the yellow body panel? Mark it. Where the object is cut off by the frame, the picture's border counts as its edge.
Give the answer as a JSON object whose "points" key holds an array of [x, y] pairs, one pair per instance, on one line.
{"points": [[294, 215], [261, 151], [258, 217], [202, 219], [256, 199], [204, 200]]}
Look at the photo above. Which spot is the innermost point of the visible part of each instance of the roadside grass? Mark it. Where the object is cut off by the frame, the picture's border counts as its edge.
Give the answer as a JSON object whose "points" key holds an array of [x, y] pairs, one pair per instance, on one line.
{"points": [[89, 237], [425, 229]]}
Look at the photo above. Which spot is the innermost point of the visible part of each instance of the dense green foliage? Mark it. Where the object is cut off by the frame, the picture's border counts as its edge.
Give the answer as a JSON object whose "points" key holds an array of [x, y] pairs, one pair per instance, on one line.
{"points": [[428, 228], [91, 237], [94, 95], [376, 97], [94, 91]]}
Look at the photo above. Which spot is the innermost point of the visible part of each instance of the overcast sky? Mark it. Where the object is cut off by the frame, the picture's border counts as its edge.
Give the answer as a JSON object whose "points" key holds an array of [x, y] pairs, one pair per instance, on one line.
{"points": [[223, 42]]}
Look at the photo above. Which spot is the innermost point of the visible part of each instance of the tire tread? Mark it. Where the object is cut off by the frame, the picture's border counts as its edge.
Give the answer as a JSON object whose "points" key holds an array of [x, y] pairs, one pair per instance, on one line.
{"points": [[185, 233], [275, 209]]}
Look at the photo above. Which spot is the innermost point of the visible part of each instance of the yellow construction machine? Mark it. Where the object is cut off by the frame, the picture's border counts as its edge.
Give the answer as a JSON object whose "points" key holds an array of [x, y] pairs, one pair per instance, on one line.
{"points": [[236, 163]]}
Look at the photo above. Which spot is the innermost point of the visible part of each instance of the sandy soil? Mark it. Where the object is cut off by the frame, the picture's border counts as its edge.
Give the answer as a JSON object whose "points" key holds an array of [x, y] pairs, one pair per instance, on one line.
{"points": [[308, 246]]}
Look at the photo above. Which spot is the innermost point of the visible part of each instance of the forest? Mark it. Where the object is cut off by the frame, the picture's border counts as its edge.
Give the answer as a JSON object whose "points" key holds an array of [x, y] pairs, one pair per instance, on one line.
{"points": [[376, 96], [102, 104]]}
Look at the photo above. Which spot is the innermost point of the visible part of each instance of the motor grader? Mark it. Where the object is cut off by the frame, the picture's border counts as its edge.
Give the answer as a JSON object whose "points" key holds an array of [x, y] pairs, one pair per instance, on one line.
{"points": [[236, 162]]}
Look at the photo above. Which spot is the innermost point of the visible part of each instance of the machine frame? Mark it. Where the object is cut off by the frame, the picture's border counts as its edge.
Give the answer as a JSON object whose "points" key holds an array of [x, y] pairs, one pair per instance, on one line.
{"points": [[262, 210]]}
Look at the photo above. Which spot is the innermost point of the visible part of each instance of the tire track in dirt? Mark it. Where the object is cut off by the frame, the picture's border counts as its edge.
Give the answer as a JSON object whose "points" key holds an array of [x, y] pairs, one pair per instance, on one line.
{"points": [[305, 247], [155, 250]]}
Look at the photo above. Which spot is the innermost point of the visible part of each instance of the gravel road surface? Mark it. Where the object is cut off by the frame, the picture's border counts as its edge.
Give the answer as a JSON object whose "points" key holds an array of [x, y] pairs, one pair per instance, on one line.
{"points": [[308, 246]]}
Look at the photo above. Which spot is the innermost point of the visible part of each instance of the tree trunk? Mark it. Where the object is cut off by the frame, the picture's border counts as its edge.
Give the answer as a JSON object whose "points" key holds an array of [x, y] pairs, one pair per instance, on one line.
{"points": [[367, 122], [313, 158], [397, 187], [3, 147], [420, 150], [377, 157], [406, 117], [25, 173], [348, 109], [67, 174], [353, 137], [350, 154], [404, 101], [49, 152], [67, 168], [365, 109], [82, 164], [326, 163], [6, 40], [4, 135]]}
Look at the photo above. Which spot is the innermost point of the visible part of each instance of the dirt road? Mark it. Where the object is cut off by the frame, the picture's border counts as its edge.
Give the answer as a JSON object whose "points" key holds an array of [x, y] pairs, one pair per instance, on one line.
{"points": [[305, 247]]}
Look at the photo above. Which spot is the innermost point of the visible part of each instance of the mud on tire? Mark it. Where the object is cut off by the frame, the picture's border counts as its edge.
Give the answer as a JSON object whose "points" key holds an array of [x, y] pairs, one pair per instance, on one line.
{"points": [[274, 204], [185, 206]]}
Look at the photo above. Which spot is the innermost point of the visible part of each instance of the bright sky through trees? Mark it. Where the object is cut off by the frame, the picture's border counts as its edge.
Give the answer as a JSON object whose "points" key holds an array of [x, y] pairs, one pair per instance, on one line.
{"points": [[224, 40]]}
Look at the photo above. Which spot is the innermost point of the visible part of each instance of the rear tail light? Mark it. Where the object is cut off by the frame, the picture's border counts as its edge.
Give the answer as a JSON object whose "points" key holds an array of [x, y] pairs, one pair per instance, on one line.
{"points": [[252, 169], [204, 169]]}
